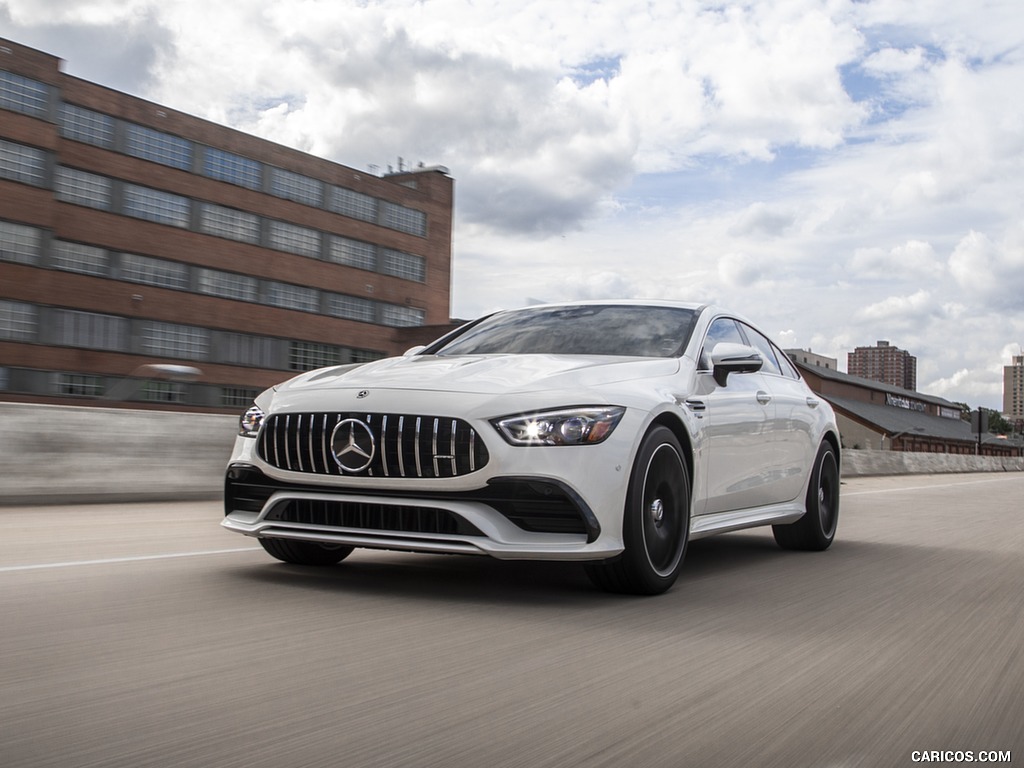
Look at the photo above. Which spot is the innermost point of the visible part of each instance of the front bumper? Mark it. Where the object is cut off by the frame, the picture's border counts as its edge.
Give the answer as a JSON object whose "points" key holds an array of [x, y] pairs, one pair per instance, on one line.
{"points": [[521, 517]]}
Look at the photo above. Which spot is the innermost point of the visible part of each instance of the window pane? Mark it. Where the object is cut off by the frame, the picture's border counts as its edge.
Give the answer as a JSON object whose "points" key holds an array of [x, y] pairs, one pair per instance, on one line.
{"points": [[164, 392], [21, 163], [228, 285], [85, 125], [76, 257], [77, 385], [18, 321], [237, 397], [172, 340], [159, 147], [19, 243], [151, 271], [154, 205], [82, 188], [242, 349], [400, 317], [352, 308], [293, 297], [295, 186], [232, 168], [405, 219], [90, 330], [404, 265], [229, 223], [20, 94], [353, 253], [307, 355], [355, 204], [294, 239]]}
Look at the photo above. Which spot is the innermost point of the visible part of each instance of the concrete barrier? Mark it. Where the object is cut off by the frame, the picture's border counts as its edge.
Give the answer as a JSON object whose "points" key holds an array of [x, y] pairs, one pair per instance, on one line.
{"points": [[52, 454]]}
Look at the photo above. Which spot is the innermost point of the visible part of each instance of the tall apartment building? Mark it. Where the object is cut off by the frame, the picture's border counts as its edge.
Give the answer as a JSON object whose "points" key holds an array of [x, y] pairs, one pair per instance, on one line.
{"points": [[1013, 389], [885, 363], [137, 239]]}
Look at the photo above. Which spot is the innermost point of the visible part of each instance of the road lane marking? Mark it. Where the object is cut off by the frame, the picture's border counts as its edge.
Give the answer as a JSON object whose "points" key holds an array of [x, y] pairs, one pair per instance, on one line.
{"points": [[928, 487], [136, 559]]}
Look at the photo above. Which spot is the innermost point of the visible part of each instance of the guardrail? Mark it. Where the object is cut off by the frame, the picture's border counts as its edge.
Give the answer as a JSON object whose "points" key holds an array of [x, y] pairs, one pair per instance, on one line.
{"points": [[53, 454]]}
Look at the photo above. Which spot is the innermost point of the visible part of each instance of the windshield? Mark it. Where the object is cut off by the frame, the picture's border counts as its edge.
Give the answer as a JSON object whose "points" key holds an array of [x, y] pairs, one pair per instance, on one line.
{"points": [[630, 331]]}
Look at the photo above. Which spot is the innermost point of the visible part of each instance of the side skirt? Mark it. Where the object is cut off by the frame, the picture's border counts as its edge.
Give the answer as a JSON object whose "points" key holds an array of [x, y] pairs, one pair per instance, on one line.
{"points": [[723, 522]]}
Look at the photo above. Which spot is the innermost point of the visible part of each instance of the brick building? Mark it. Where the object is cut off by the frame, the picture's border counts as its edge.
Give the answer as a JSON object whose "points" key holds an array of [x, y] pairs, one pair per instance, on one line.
{"points": [[885, 363], [1013, 389], [139, 245]]}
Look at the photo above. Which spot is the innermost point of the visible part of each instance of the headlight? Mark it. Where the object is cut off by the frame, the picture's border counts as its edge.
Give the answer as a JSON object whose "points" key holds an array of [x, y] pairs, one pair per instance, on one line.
{"points": [[249, 423], [586, 425]]}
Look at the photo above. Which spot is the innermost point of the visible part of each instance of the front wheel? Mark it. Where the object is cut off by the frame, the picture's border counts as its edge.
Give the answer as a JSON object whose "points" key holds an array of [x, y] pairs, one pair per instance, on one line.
{"points": [[656, 521], [817, 528], [306, 552]]}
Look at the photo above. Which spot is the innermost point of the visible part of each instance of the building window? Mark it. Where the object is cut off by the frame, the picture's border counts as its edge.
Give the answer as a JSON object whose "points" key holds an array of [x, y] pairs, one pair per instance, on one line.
{"points": [[20, 94], [154, 205], [21, 163], [294, 239], [289, 296], [354, 204], [243, 349], [159, 147], [404, 265], [230, 223], [5, 379], [352, 253], [151, 271], [237, 397], [82, 124], [82, 188], [365, 355], [90, 330], [76, 257], [405, 219], [19, 243], [400, 317], [352, 308], [234, 169], [77, 385], [18, 321], [228, 285], [172, 340], [308, 355], [295, 186], [164, 392]]}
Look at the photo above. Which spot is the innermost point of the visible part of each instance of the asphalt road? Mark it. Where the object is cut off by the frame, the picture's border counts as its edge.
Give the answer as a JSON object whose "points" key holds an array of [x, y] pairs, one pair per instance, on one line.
{"points": [[144, 635]]}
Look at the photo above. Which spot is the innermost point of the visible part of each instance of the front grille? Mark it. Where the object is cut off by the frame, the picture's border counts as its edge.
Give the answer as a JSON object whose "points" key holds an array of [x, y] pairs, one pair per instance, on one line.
{"points": [[403, 445], [372, 516]]}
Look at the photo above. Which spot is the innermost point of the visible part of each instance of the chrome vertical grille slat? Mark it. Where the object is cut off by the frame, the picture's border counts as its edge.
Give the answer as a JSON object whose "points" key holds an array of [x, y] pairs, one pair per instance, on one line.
{"points": [[405, 445]]}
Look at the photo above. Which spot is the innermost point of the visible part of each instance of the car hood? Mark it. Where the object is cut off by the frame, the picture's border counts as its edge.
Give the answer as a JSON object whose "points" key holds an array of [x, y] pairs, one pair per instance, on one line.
{"points": [[484, 374]]}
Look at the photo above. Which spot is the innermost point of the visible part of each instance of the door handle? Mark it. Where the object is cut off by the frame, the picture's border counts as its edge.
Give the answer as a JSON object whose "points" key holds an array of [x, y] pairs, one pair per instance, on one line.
{"points": [[763, 398]]}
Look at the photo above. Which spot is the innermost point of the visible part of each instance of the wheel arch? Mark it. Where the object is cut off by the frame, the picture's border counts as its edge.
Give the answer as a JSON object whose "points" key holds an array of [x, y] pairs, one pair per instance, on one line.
{"points": [[676, 426]]}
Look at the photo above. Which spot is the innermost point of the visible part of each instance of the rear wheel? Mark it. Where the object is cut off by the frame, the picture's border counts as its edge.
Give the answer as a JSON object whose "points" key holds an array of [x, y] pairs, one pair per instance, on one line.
{"points": [[306, 552], [817, 528], [656, 521]]}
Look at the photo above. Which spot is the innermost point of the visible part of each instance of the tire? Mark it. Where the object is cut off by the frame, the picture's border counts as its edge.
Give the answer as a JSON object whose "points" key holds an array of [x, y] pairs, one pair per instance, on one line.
{"points": [[816, 530], [655, 524], [306, 552]]}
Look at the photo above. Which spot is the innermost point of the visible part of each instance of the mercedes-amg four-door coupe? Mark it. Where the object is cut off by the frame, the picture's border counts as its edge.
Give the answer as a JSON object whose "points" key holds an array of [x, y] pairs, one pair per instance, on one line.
{"points": [[610, 433]]}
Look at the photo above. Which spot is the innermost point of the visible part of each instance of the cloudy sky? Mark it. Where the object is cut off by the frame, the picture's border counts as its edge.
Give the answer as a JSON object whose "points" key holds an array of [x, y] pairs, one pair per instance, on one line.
{"points": [[840, 171]]}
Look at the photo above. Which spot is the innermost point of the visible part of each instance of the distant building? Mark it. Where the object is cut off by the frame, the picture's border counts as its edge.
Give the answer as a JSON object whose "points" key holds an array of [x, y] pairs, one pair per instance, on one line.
{"points": [[881, 417], [135, 239], [885, 363], [806, 357], [1013, 389]]}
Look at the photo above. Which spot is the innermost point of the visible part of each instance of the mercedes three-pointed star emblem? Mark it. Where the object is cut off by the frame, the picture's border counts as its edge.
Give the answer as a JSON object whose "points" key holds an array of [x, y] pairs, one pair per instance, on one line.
{"points": [[353, 445]]}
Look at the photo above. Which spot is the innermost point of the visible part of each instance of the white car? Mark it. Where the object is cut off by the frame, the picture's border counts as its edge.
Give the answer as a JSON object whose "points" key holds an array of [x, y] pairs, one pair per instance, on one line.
{"points": [[610, 433]]}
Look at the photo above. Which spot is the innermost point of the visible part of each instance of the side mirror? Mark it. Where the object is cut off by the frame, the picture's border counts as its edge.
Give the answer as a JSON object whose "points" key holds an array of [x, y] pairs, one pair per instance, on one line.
{"points": [[728, 358]]}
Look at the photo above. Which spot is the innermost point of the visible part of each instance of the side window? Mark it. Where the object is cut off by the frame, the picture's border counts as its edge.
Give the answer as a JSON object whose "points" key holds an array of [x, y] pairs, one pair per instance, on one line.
{"points": [[788, 369], [762, 345], [722, 329]]}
